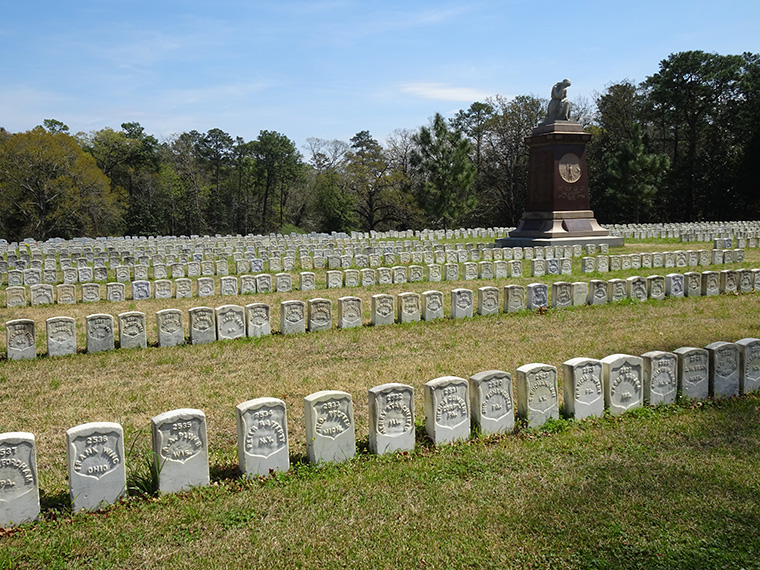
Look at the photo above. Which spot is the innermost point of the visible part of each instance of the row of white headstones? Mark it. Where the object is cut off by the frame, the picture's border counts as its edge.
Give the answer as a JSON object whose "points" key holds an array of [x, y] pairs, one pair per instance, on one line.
{"points": [[452, 405], [235, 321]]}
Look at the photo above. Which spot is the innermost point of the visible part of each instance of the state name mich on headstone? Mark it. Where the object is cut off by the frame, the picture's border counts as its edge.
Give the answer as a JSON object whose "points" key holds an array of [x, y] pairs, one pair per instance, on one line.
{"points": [[330, 435]]}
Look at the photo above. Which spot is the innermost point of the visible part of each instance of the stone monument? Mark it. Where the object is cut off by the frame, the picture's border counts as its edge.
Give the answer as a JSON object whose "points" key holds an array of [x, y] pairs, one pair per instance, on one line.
{"points": [[558, 210]]}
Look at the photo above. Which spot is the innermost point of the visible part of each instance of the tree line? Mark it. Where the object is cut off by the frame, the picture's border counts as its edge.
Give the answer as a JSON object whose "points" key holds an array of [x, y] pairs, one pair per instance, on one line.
{"points": [[678, 146]]}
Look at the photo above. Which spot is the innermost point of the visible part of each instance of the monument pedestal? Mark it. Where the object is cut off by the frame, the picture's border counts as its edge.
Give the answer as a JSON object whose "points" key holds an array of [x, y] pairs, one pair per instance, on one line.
{"points": [[558, 210]]}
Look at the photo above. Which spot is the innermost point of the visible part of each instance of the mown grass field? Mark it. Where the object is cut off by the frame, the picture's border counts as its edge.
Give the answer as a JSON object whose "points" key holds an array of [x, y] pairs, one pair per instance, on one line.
{"points": [[672, 487]]}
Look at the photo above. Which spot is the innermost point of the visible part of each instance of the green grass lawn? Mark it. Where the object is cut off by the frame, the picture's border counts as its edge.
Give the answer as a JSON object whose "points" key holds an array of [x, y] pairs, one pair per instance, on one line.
{"points": [[671, 487]]}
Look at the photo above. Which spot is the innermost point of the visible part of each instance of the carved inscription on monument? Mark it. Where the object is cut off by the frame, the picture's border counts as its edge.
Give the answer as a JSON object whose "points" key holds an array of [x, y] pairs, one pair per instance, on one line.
{"points": [[16, 475], [450, 406], [180, 440], [96, 454], [333, 418], [394, 413], [265, 433]]}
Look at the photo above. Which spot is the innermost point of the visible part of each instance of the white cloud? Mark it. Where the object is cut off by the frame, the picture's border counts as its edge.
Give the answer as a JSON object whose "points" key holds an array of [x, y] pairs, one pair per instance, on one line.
{"points": [[444, 92]]}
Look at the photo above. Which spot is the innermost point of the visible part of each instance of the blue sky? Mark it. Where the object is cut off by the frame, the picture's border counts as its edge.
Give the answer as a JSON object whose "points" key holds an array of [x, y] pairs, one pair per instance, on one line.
{"points": [[329, 69]]}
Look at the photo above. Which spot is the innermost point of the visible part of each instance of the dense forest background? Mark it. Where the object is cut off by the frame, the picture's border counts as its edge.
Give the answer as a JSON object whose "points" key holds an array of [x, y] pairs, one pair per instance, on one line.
{"points": [[678, 146]]}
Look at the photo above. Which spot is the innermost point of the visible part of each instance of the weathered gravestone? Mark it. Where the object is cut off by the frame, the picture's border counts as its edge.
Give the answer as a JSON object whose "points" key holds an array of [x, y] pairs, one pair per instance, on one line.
{"points": [[115, 292], [710, 283], [169, 327], [432, 305], [263, 283], [461, 303], [408, 307], [582, 388], [163, 289], [492, 402], [382, 309], [330, 435], [292, 317], [537, 394], [61, 336], [19, 486], [230, 322], [637, 288], [41, 294], [180, 450], [368, 277], [99, 331], [141, 290], [749, 365], [132, 330], [319, 315], [562, 294], [262, 437], [724, 369], [90, 292], [729, 281], [258, 319], [537, 296], [349, 312], [202, 325], [622, 377], [228, 285], [66, 294], [391, 418], [283, 282], [580, 293], [15, 297], [447, 413], [307, 281], [660, 374], [20, 339], [514, 298], [97, 474], [488, 300], [206, 286], [693, 372], [617, 290], [451, 272], [656, 287]]}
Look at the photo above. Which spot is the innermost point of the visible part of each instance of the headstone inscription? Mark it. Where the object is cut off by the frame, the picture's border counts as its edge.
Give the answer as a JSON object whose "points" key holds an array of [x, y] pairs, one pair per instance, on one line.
{"points": [[319, 315], [292, 317], [230, 322], [382, 309], [660, 374], [492, 402], [258, 319], [749, 365], [169, 327], [537, 394], [61, 336], [724, 369], [693, 372], [582, 388], [19, 486], [447, 414], [349, 312], [202, 325], [262, 437], [132, 330], [432, 305], [330, 435], [391, 418], [97, 474], [20, 339], [461, 303], [622, 376], [99, 331], [180, 450]]}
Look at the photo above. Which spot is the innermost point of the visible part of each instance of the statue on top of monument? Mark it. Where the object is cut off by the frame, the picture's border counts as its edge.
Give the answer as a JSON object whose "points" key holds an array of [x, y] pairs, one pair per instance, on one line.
{"points": [[559, 106]]}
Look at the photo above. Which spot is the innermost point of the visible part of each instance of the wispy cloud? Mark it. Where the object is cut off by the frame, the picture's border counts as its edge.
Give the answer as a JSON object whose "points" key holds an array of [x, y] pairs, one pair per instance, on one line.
{"points": [[444, 92]]}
